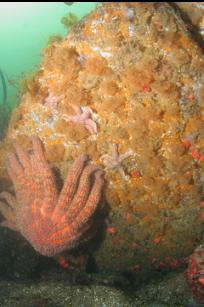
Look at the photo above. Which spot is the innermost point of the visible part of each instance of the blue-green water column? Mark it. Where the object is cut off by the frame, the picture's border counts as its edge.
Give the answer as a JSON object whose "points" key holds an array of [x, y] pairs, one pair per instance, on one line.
{"points": [[24, 31]]}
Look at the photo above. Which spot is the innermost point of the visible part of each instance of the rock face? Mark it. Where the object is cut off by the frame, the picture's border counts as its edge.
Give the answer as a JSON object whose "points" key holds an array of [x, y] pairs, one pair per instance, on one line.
{"points": [[63, 290], [126, 88], [195, 12], [195, 274]]}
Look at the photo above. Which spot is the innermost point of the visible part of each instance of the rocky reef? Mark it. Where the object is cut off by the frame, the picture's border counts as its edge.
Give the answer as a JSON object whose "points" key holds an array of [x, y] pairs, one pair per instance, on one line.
{"points": [[126, 87], [193, 12], [195, 273]]}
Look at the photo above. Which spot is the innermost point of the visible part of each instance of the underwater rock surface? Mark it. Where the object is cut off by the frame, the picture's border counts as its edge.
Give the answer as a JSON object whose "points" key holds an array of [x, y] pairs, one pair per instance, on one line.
{"points": [[195, 12], [60, 291], [126, 88], [195, 273]]}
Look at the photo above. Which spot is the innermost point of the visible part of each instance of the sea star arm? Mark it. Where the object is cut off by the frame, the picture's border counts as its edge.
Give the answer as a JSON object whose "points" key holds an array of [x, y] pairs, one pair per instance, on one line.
{"points": [[23, 157], [82, 193], [83, 116], [9, 224], [52, 100], [70, 185], [16, 173], [115, 160], [91, 203], [125, 156], [51, 223], [83, 220], [45, 177], [6, 211], [31, 174], [91, 125], [15, 170], [9, 198], [20, 172]]}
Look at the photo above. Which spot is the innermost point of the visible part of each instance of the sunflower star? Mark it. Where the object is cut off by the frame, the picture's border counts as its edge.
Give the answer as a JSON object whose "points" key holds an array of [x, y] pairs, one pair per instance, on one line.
{"points": [[52, 222]]}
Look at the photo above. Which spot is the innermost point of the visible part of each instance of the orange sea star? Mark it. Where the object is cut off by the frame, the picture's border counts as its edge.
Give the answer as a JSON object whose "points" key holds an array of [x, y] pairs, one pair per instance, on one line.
{"points": [[50, 221]]}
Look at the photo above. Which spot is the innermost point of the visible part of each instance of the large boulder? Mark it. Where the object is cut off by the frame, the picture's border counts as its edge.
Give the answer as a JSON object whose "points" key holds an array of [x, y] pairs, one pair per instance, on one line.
{"points": [[193, 12], [136, 73]]}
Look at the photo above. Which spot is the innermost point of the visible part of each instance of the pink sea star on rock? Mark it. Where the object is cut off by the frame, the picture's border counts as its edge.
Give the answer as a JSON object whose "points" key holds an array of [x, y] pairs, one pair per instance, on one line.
{"points": [[115, 160], [83, 116], [52, 222], [52, 100]]}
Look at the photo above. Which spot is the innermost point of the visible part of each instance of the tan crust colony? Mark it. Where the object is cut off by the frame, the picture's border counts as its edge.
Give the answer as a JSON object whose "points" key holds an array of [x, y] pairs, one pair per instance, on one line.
{"points": [[50, 221], [126, 87]]}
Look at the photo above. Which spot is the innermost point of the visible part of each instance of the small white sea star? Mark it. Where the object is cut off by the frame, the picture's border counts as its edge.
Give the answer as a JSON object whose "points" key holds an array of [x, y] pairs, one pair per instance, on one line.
{"points": [[84, 117], [115, 160], [52, 100]]}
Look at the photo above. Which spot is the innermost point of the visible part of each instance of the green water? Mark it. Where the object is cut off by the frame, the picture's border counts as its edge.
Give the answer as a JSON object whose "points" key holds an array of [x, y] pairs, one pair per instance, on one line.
{"points": [[24, 32]]}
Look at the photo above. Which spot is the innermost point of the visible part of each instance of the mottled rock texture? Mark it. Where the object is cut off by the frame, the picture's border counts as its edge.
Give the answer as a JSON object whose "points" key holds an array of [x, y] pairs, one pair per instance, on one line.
{"points": [[58, 290], [195, 12], [137, 71]]}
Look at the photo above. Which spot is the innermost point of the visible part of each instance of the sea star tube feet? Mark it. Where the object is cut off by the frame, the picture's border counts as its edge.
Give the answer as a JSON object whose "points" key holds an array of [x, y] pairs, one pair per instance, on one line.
{"points": [[52, 222]]}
